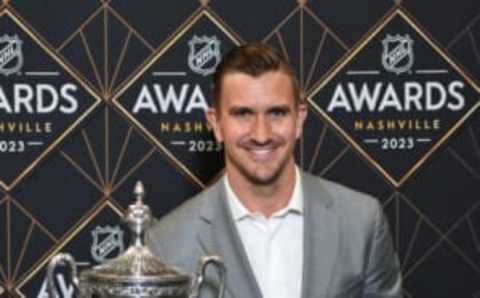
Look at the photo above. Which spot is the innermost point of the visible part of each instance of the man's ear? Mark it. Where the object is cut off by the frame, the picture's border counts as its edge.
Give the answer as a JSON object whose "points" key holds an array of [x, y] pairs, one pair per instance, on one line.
{"points": [[212, 115], [302, 112]]}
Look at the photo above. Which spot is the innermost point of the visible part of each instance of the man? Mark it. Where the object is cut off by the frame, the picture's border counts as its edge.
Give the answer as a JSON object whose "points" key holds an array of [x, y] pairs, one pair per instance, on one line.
{"points": [[281, 232]]}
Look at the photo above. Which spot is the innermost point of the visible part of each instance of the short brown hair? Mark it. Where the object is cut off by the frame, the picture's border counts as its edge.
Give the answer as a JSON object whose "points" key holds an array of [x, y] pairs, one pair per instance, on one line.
{"points": [[253, 59]]}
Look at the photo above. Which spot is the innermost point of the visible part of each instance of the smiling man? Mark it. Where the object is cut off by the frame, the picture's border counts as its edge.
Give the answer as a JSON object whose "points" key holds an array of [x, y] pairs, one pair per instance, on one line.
{"points": [[282, 233]]}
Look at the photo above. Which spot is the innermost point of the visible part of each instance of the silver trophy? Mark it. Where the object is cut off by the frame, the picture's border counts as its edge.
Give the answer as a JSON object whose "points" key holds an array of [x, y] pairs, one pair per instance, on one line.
{"points": [[137, 272]]}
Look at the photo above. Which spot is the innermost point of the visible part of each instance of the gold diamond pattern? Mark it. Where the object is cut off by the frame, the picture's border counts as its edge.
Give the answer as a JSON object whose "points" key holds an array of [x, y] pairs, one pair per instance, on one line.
{"points": [[396, 180], [108, 173]]}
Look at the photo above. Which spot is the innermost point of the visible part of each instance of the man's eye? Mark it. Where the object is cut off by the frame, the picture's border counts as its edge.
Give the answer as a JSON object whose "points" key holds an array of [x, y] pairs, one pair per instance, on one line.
{"points": [[278, 112], [241, 113]]}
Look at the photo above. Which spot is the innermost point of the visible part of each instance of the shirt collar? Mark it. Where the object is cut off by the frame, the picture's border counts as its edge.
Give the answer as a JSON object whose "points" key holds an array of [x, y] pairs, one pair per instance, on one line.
{"points": [[239, 211]]}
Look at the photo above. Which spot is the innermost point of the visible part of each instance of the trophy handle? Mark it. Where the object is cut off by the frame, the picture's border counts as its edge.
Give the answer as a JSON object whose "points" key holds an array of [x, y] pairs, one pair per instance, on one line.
{"points": [[199, 277], [60, 259]]}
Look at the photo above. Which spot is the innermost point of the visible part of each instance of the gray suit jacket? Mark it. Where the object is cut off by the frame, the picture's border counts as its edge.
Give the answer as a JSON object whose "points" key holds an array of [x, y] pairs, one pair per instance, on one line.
{"points": [[348, 250]]}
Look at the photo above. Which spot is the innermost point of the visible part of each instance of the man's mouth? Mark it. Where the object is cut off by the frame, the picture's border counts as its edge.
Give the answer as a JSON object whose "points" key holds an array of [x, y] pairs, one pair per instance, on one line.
{"points": [[261, 154]]}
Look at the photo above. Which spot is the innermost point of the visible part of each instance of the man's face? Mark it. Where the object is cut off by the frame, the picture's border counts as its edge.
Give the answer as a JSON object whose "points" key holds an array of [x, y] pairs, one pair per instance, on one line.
{"points": [[258, 123]]}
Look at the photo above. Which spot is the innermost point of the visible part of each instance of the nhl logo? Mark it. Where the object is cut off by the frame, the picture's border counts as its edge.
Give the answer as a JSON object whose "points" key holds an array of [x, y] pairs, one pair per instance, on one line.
{"points": [[204, 54], [397, 55], [105, 241], [11, 56]]}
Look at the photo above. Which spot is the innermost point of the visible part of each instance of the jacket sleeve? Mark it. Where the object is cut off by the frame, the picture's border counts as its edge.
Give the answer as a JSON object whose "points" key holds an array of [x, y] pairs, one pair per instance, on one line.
{"points": [[383, 277]]}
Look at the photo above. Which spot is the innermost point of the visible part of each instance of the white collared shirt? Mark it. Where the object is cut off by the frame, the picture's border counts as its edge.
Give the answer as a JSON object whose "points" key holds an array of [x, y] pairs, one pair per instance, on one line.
{"points": [[274, 246]]}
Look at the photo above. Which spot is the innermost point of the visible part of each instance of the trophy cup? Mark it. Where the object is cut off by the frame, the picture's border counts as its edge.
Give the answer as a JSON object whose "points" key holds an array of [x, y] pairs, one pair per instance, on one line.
{"points": [[137, 272]]}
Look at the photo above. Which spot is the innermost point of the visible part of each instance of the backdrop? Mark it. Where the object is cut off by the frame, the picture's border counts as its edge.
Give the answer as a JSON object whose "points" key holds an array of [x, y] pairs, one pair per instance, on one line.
{"points": [[95, 95]]}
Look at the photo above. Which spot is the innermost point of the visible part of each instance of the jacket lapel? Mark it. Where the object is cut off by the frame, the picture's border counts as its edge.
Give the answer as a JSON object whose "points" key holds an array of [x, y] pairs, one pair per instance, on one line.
{"points": [[321, 234], [219, 236]]}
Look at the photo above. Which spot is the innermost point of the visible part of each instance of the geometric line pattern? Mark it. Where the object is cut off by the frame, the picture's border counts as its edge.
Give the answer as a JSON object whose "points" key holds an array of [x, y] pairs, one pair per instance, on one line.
{"points": [[466, 46], [105, 176], [312, 33], [25, 228], [103, 70], [443, 238], [438, 244], [474, 141], [106, 207]]}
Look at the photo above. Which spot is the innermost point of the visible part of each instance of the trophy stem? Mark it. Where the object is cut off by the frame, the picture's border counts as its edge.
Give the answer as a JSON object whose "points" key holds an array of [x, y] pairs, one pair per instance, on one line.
{"points": [[139, 216]]}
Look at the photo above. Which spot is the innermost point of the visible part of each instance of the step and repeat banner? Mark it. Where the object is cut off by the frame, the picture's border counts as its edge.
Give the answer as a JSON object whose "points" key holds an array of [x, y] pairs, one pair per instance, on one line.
{"points": [[98, 94]]}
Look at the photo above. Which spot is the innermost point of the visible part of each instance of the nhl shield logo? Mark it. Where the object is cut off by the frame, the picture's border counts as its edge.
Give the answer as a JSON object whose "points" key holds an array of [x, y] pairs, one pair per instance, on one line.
{"points": [[106, 240], [11, 56], [397, 55], [204, 54]]}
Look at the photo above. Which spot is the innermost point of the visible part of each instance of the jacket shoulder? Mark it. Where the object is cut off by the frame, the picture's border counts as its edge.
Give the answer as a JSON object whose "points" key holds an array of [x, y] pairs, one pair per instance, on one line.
{"points": [[343, 200], [341, 197], [181, 217], [178, 229]]}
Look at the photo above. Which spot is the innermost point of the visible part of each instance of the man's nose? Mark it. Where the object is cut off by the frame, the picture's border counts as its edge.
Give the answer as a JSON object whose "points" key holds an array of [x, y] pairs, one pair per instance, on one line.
{"points": [[261, 129]]}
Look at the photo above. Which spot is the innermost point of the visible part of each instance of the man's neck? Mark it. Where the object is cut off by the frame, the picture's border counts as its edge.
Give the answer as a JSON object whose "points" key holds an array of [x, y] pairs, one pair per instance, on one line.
{"points": [[264, 199]]}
